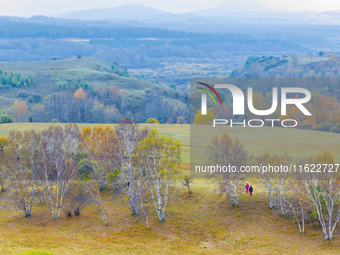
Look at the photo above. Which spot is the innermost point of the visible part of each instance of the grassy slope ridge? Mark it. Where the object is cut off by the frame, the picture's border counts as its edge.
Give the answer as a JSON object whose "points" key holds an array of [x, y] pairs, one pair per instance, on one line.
{"points": [[200, 223], [298, 143], [46, 83]]}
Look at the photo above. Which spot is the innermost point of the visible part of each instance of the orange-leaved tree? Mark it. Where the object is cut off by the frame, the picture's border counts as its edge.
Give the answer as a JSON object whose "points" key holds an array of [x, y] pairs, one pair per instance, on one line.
{"points": [[100, 145], [20, 110], [204, 119], [3, 142]]}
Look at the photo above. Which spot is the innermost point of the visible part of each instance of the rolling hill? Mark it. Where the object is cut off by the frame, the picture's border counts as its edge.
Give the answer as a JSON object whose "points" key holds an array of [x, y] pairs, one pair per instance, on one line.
{"points": [[96, 72]]}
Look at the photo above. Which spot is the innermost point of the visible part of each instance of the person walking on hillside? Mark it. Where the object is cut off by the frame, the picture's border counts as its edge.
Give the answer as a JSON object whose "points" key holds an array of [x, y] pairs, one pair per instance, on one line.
{"points": [[251, 190], [247, 188]]}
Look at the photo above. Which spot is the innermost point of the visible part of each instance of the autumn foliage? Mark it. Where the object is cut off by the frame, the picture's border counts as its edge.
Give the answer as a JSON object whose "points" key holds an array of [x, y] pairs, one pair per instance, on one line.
{"points": [[140, 163], [3, 142]]}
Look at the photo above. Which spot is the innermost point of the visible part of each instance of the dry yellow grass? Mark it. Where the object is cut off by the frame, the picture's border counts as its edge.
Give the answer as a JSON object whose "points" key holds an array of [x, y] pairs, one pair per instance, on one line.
{"points": [[199, 223]]}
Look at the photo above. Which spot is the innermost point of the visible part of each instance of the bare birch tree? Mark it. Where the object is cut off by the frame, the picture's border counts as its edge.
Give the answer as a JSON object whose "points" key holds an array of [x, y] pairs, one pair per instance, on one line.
{"points": [[58, 165], [268, 183], [130, 178], [94, 190], [275, 183], [19, 167], [225, 151], [298, 203], [323, 192], [282, 182]]}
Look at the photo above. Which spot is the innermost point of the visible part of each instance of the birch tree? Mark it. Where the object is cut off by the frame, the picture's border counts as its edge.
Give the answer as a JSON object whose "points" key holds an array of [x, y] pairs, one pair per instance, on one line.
{"points": [[19, 166], [298, 203], [282, 182], [130, 178], [324, 194], [160, 157], [267, 179], [275, 183], [94, 190], [58, 165], [224, 151]]}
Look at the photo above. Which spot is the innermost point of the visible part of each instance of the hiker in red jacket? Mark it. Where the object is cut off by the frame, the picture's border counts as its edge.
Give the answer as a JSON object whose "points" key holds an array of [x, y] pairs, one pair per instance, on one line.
{"points": [[251, 190], [247, 188]]}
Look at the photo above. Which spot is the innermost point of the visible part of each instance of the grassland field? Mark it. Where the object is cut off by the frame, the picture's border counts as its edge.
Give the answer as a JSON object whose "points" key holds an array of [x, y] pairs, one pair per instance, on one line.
{"points": [[298, 143], [199, 223]]}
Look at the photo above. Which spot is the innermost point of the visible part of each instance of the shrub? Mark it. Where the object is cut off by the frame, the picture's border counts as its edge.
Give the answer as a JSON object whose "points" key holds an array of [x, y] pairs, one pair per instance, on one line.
{"points": [[126, 121], [54, 121], [336, 128], [147, 90], [30, 100], [172, 85], [68, 212], [284, 61], [76, 211], [85, 173], [323, 127], [152, 121], [305, 126], [2, 182], [85, 85], [251, 60], [36, 97], [112, 177], [23, 94], [3, 142], [5, 118], [124, 73], [181, 120], [204, 119], [80, 199]]}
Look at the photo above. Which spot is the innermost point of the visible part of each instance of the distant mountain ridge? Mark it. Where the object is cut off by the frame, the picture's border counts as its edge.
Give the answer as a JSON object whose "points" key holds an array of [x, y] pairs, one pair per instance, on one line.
{"points": [[138, 11], [127, 11], [246, 11], [229, 6]]}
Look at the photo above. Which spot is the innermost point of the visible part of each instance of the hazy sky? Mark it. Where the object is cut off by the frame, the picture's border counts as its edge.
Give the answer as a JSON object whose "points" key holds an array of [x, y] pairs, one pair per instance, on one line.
{"points": [[44, 7]]}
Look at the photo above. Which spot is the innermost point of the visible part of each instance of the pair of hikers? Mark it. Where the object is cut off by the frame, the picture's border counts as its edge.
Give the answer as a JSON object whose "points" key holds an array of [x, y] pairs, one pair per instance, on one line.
{"points": [[249, 189]]}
